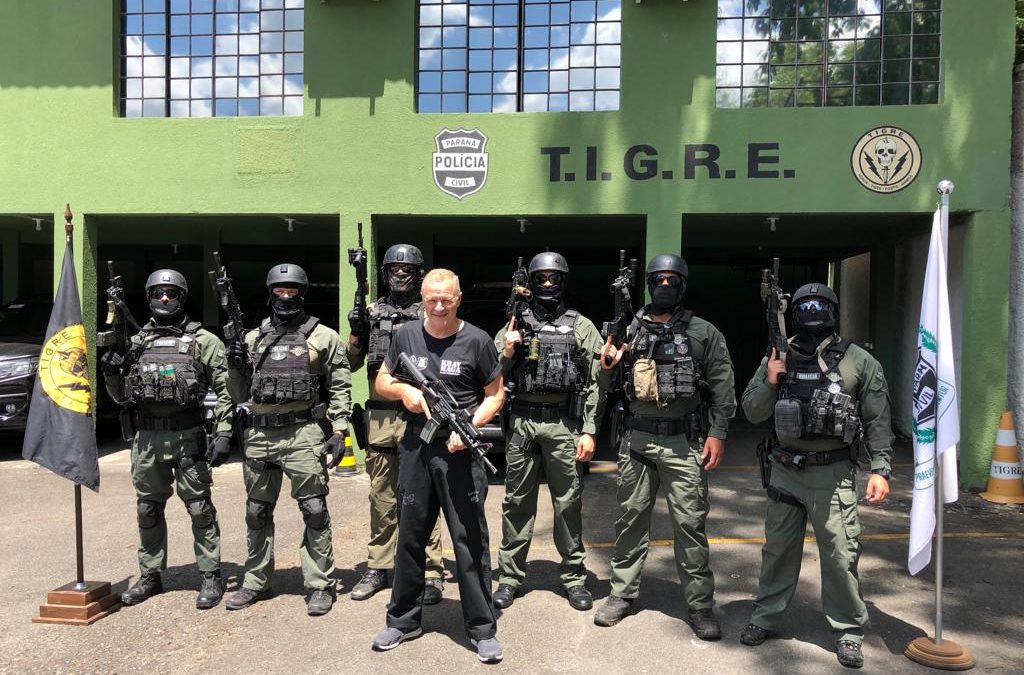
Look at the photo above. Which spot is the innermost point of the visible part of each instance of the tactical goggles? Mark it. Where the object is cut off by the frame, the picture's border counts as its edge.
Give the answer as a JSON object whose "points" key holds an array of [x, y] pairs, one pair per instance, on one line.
{"points": [[553, 278], [663, 279], [159, 292], [402, 268], [813, 305]]}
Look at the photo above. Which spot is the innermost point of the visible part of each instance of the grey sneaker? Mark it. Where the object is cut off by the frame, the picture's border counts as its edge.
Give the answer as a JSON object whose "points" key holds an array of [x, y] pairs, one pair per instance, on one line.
{"points": [[320, 601], [372, 581], [244, 597], [488, 651], [613, 610], [389, 638]]}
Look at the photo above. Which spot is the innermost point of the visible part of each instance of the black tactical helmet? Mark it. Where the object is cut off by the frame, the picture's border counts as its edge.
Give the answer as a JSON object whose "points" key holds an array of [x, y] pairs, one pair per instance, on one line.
{"points": [[548, 261], [815, 318], [166, 278], [667, 262], [402, 253], [815, 291], [288, 273]]}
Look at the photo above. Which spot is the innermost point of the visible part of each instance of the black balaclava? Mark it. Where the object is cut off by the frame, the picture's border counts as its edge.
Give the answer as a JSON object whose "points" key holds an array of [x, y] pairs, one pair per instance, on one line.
{"points": [[171, 313], [403, 286], [665, 298], [286, 309]]}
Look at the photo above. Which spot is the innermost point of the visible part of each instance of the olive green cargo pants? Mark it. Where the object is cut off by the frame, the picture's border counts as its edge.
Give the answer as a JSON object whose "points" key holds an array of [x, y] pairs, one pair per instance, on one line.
{"points": [[160, 460], [295, 451], [532, 445], [829, 495], [384, 429], [647, 461]]}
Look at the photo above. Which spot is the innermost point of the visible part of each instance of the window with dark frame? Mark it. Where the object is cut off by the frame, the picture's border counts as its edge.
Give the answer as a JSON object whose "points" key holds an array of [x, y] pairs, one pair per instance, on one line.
{"points": [[786, 53], [211, 58], [518, 55]]}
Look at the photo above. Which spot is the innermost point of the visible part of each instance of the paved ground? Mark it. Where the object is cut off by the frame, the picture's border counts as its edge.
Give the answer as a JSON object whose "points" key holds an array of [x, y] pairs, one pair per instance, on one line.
{"points": [[540, 633]]}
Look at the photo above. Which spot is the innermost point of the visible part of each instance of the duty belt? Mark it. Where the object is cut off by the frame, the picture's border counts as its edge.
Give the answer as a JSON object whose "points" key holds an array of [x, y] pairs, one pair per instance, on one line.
{"points": [[284, 419], [661, 426], [540, 412], [178, 422], [798, 459], [384, 405]]}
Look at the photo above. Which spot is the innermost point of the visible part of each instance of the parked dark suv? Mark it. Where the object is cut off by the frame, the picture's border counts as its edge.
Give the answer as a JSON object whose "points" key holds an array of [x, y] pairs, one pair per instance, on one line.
{"points": [[22, 329]]}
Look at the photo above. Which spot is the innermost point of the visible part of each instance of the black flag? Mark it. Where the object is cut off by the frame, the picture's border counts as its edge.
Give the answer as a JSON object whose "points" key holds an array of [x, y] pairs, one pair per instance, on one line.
{"points": [[60, 434]]}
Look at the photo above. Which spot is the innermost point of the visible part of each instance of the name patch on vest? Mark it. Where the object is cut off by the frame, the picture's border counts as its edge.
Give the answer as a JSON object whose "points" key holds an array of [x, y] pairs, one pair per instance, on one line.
{"points": [[808, 376]]}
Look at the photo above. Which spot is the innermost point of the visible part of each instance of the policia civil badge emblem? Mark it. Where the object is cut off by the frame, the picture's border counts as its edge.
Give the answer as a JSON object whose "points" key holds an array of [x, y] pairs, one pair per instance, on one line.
{"points": [[460, 163], [886, 159]]}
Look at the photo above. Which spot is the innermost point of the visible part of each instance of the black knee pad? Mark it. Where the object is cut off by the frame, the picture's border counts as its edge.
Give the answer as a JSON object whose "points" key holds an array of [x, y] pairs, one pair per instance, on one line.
{"points": [[150, 514], [314, 512], [258, 514], [201, 512]]}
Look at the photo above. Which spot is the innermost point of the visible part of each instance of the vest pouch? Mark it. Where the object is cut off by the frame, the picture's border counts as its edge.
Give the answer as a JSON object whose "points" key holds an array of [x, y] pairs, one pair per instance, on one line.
{"points": [[684, 383], [577, 404], [789, 418], [819, 417], [645, 380]]}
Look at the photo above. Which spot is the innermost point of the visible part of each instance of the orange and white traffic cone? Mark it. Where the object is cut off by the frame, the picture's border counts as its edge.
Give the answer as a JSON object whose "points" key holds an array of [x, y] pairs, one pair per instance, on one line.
{"points": [[1005, 479]]}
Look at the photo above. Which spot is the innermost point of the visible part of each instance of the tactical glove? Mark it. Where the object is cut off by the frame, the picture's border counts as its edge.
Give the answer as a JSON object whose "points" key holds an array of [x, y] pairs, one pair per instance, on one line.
{"points": [[218, 450], [358, 323], [111, 363], [338, 445], [237, 355]]}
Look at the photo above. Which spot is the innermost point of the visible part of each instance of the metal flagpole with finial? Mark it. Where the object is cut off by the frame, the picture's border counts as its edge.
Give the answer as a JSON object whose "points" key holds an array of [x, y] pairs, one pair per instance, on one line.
{"points": [[938, 653], [79, 584]]}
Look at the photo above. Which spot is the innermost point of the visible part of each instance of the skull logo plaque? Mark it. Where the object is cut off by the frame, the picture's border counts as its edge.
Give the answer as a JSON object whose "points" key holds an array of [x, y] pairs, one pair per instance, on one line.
{"points": [[460, 163], [886, 159]]}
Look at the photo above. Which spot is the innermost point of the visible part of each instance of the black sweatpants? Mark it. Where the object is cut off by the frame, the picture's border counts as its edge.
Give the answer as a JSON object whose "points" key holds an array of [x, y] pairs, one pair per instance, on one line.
{"points": [[431, 479]]}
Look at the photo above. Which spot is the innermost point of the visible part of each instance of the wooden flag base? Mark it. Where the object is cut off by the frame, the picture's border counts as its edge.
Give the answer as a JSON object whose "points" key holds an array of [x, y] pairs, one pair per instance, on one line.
{"points": [[946, 655], [78, 604]]}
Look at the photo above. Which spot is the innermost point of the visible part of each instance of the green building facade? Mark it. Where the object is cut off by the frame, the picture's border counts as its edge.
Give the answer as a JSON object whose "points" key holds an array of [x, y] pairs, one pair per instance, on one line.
{"points": [[810, 136]]}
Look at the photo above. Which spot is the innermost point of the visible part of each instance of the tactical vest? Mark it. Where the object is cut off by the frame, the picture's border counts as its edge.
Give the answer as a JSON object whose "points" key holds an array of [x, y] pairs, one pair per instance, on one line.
{"points": [[662, 367], [166, 370], [550, 361], [283, 371], [811, 401], [385, 319]]}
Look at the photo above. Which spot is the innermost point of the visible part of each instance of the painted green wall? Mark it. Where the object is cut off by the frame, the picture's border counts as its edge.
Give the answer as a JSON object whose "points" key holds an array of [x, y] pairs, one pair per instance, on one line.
{"points": [[360, 149]]}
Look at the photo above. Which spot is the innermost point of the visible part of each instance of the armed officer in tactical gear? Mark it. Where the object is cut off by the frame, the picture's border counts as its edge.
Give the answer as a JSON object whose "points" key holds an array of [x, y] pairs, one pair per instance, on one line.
{"points": [[678, 379], [402, 269], [828, 396], [297, 383], [557, 396], [162, 381]]}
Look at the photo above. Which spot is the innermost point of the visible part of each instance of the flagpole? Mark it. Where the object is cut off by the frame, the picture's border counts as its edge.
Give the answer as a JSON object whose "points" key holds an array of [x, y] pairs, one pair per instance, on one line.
{"points": [[944, 188], [80, 584]]}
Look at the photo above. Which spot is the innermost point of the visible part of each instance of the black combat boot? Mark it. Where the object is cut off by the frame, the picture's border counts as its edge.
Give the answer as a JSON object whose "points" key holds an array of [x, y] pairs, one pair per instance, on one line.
{"points": [[754, 635], [320, 601], [372, 581], [704, 624], [144, 587], [504, 596], [244, 597], [849, 654], [613, 610], [211, 592], [580, 598], [433, 591]]}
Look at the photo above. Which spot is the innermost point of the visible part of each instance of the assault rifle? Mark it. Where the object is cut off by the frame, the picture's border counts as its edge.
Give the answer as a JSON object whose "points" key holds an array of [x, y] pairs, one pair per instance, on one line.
{"points": [[357, 258], [621, 286], [776, 304], [119, 317], [445, 411], [234, 329], [519, 297]]}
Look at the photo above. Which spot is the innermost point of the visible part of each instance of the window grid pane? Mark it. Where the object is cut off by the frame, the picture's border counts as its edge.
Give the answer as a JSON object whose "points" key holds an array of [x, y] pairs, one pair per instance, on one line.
{"points": [[787, 53], [211, 58], [518, 55]]}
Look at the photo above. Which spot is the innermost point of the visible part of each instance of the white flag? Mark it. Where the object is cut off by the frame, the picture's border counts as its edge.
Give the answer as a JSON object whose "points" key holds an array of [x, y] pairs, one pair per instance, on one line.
{"points": [[936, 410]]}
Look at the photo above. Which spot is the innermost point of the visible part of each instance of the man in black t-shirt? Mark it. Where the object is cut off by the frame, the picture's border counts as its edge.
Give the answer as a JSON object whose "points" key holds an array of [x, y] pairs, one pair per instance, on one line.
{"points": [[442, 474]]}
